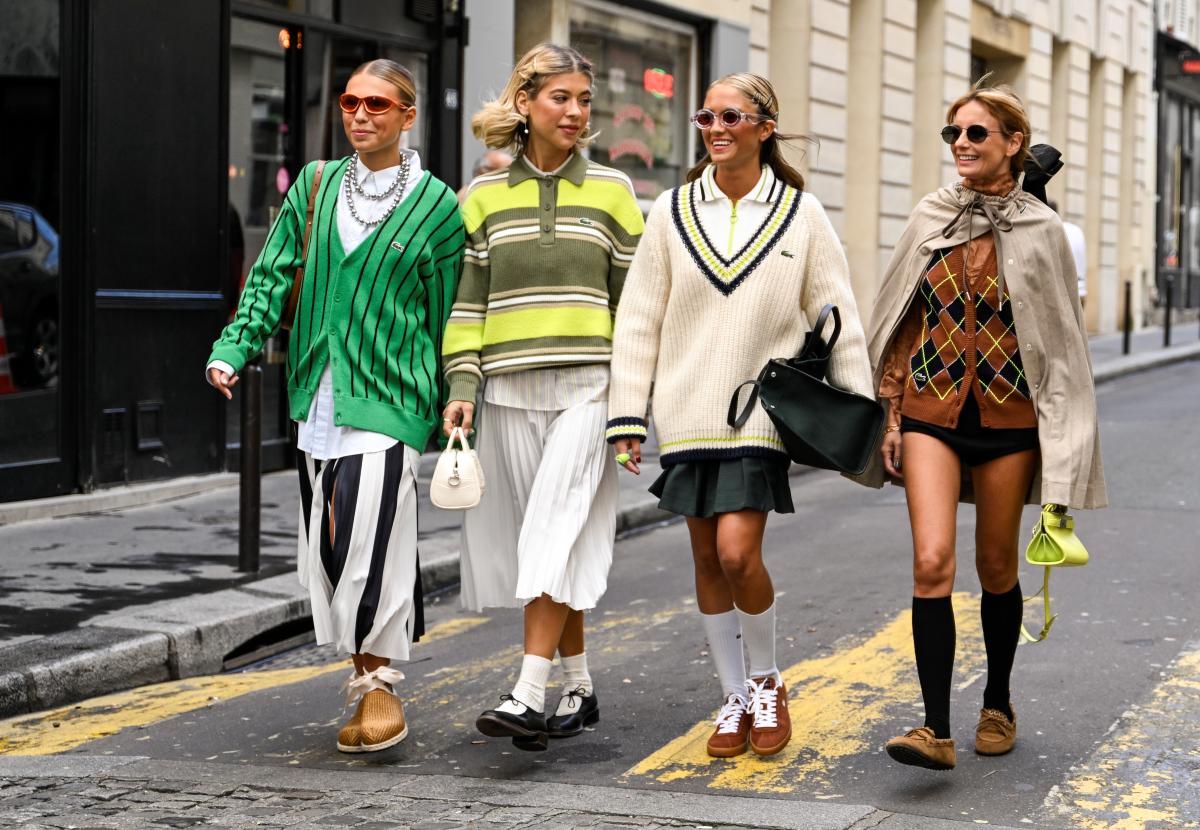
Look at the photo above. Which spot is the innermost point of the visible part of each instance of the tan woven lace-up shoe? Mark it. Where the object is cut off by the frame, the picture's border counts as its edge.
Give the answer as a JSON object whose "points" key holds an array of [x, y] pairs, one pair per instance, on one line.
{"points": [[382, 721], [995, 734], [919, 748], [733, 729], [771, 724]]}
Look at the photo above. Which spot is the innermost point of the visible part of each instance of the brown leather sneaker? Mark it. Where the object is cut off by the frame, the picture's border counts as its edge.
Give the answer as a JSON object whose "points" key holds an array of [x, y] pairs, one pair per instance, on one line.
{"points": [[995, 734], [349, 737], [733, 729], [382, 722], [771, 725], [919, 748]]}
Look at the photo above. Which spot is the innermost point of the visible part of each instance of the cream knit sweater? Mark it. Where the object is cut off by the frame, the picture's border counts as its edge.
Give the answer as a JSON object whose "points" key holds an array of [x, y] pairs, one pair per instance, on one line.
{"points": [[698, 324]]}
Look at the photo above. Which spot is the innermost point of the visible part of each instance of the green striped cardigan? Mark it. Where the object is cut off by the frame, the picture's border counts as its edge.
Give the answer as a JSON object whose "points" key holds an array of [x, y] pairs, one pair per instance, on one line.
{"points": [[546, 259], [377, 316]]}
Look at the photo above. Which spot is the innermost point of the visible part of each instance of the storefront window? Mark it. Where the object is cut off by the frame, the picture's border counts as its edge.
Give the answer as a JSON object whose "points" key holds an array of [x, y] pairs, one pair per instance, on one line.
{"points": [[645, 93], [29, 225]]}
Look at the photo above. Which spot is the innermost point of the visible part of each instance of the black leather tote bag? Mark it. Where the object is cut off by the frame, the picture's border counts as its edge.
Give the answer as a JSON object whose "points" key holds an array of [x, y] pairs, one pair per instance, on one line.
{"points": [[821, 425]]}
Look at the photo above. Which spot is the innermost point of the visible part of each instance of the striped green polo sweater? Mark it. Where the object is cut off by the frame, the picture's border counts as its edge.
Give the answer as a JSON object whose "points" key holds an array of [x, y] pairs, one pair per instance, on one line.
{"points": [[377, 315], [545, 262]]}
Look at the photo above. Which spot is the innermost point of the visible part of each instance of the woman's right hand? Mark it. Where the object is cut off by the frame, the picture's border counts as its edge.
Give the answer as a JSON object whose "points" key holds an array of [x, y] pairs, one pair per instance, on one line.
{"points": [[223, 382], [633, 447], [890, 449], [458, 414]]}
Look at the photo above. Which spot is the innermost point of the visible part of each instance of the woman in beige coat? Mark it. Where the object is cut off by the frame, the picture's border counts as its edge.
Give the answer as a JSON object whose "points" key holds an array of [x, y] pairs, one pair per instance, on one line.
{"points": [[979, 352]]}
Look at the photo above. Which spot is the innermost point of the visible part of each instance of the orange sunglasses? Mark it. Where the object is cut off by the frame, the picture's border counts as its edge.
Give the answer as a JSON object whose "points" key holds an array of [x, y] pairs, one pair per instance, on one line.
{"points": [[375, 104]]}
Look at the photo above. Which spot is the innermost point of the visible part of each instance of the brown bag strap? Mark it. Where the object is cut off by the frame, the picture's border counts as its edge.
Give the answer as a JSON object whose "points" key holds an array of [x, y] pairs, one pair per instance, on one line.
{"points": [[289, 311]]}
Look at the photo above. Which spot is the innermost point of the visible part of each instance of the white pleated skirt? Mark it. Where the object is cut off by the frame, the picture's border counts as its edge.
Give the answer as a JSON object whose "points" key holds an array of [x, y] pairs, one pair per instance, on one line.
{"points": [[363, 577], [548, 517]]}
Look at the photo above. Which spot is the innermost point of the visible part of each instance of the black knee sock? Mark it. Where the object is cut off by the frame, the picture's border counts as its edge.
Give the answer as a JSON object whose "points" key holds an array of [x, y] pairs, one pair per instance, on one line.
{"points": [[1001, 617], [933, 641]]}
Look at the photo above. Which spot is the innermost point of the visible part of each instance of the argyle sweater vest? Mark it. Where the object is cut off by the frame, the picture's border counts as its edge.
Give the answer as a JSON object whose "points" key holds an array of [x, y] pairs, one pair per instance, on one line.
{"points": [[968, 345]]}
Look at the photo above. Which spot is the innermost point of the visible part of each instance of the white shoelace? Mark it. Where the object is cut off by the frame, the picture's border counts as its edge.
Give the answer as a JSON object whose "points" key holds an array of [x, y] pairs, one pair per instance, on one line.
{"points": [[763, 699], [729, 719], [384, 678]]}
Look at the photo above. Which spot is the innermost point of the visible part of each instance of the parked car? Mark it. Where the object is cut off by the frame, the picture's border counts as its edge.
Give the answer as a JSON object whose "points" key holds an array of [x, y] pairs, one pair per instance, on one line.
{"points": [[29, 294]]}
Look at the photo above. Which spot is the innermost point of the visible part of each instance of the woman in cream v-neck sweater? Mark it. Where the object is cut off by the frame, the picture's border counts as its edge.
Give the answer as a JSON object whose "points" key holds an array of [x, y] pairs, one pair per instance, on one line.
{"points": [[728, 269]]}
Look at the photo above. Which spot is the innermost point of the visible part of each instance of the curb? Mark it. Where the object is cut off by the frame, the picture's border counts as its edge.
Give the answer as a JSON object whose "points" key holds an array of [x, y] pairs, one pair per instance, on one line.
{"points": [[1143, 361], [162, 641], [116, 498]]}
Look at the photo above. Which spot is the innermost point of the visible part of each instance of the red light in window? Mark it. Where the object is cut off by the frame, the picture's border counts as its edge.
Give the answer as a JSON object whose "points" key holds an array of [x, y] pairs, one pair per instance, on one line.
{"points": [[659, 83]]}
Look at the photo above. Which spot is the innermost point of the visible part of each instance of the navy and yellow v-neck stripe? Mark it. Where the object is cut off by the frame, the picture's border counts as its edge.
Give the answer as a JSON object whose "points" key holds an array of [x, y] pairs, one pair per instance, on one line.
{"points": [[376, 316], [727, 273]]}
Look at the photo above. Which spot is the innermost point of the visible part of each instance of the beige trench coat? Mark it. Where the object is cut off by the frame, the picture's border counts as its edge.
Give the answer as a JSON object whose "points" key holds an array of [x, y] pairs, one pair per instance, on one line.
{"points": [[1037, 268]]}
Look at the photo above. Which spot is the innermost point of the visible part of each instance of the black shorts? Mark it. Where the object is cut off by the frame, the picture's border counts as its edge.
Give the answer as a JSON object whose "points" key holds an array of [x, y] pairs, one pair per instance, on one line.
{"points": [[971, 441]]}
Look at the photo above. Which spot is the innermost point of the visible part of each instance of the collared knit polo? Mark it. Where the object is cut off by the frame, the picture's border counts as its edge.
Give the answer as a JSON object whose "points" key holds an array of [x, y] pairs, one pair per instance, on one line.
{"points": [[546, 259], [376, 315], [698, 322]]}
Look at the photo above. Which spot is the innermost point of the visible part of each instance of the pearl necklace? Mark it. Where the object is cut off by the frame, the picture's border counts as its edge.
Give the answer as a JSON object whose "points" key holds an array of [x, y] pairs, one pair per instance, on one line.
{"points": [[396, 191]]}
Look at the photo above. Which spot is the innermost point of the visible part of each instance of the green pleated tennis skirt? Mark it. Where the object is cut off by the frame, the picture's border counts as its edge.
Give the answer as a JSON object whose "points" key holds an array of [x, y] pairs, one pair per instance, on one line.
{"points": [[704, 488]]}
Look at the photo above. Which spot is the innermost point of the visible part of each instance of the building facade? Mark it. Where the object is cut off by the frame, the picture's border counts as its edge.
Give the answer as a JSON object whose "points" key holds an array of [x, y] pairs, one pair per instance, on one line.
{"points": [[869, 81]]}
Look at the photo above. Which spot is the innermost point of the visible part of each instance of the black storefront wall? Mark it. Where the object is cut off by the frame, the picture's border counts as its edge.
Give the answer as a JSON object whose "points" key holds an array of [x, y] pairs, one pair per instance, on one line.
{"points": [[156, 236], [1177, 259], [144, 226]]}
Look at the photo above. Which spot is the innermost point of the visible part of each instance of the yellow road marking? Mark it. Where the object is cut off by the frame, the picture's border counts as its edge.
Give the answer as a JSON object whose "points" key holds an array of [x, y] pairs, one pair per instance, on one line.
{"points": [[1143, 775], [64, 728], [835, 703]]}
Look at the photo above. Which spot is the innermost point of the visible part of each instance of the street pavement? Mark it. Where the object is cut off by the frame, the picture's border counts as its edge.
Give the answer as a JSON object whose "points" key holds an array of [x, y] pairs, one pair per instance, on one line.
{"points": [[1108, 707]]}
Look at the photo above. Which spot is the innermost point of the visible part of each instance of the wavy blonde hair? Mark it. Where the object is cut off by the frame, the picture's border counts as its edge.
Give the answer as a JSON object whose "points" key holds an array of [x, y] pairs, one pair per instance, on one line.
{"points": [[394, 74], [758, 91], [1009, 110], [499, 125]]}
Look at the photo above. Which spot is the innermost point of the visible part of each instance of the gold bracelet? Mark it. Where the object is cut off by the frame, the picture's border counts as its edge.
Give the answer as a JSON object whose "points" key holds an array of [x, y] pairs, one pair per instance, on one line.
{"points": [[893, 428]]}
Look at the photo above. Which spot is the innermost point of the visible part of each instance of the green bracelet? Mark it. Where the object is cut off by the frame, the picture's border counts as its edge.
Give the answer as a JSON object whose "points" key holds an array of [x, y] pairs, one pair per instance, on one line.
{"points": [[623, 458]]}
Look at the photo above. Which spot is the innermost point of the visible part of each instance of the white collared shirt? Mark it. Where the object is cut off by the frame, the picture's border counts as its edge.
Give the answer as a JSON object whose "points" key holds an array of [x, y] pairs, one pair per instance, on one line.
{"points": [[318, 435], [729, 225]]}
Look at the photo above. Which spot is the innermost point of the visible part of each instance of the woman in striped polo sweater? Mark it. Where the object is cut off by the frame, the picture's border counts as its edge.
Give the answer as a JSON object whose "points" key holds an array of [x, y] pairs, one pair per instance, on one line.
{"points": [[364, 380], [549, 242], [731, 264]]}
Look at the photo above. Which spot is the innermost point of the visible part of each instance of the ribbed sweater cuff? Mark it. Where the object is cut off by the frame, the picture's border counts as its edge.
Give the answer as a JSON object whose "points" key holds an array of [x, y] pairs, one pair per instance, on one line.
{"points": [[619, 428], [463, 387]]}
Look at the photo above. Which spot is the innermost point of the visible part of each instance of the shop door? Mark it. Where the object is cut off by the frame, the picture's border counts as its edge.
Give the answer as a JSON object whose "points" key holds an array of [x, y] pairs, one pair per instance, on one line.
{"points": [[284, 83], [37, 379]]}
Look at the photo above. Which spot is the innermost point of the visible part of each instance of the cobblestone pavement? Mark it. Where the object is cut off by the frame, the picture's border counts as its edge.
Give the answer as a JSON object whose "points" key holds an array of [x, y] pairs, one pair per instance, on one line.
{"points": [[120, 803]]}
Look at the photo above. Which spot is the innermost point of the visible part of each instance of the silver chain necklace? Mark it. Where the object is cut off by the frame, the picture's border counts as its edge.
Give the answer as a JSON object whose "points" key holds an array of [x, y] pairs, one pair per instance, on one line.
{"points": [[396, 191]]}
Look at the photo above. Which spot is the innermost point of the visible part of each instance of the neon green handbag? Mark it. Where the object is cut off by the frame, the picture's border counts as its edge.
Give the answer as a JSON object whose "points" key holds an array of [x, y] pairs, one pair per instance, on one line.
{"points": [[1054, 544]]}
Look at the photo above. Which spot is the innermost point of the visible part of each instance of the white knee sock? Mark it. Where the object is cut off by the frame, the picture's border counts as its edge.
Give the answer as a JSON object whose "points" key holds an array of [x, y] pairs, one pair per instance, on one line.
{"points": [[759, 630], [575, 676], [725, 645], [531, 686]]}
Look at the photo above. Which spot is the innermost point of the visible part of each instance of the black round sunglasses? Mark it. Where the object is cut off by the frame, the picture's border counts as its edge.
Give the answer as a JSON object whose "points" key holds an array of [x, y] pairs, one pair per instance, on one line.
{"points": [[976, 133]]}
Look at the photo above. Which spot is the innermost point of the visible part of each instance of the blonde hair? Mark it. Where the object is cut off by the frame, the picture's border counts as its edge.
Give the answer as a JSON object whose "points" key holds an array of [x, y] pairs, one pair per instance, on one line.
{"points": [[394, 74], [1003, 103], [758, 91], [499, 125]]}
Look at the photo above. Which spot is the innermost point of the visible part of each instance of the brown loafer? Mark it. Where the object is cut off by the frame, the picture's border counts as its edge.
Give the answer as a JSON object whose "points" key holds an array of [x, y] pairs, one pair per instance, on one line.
{"points": [[733, 729], [920, 748], [995, 734], [771, 727]]}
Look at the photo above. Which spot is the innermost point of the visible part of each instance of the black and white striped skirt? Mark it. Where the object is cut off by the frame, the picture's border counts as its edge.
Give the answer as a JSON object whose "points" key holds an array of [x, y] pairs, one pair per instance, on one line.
{"points": [[357, 550]]}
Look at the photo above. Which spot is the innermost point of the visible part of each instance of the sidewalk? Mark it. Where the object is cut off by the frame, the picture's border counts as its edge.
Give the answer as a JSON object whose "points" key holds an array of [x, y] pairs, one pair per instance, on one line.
{"points": [[108, 599]]}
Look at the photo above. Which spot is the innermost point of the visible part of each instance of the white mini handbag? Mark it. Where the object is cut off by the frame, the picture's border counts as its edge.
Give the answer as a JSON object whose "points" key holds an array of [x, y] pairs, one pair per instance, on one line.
{"points": [[458, 479]]}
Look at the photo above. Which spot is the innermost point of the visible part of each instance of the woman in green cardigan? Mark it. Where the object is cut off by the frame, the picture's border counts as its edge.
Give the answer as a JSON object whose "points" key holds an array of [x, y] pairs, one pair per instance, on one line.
{"points": [[364, 379]]}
